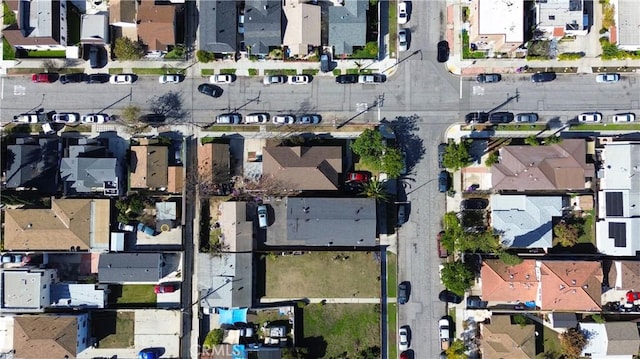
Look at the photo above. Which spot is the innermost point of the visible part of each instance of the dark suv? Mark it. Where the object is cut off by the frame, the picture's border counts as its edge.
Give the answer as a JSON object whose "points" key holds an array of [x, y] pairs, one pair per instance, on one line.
{"points": [[501, 117], [70, 78], [543, 77], [476, 117], [442, 149], [98, 78], [404, 290]]}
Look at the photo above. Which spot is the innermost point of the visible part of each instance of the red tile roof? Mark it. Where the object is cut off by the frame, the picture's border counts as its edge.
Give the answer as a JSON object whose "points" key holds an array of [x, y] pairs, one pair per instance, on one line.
{"points": [[504, 283], [571, 285]]}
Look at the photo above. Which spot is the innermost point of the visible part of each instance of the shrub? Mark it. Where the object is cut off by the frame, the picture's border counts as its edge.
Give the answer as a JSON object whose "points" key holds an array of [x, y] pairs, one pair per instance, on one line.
{"points": [[370, 51], [571, 55], [213, 338], [510, 259], [467, 53], [531, 140], [127, 50], [492, 159], [253, 72], [337, 72], [205, 56]]}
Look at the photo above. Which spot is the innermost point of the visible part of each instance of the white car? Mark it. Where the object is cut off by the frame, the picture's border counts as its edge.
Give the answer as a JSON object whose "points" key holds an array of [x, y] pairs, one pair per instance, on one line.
{"points": [[27, 118], [403, 16], [624, 117], [283, 119], [274, 79], [170, 79], [121, 79], [65, 117], [299, 79], [607, 78], [309, 119], [222, 79], [257, 118], [95, 118], [241, 24], [372, 79], [403, 342], [403, 45], [229, 118], [590, 117]]}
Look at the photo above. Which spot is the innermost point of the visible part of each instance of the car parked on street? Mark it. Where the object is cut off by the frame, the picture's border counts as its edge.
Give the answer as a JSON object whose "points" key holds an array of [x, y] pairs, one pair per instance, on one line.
{"points": [[607, 78], [488, 78], [624, 117], [372, 79], [543, 77], [403, 338], [443, 181], [299, 79], [222, 79], [449, 297], [500, 117], [65, 117], [442, 149], [347, 79], [257, 117], [73, 78], [95, 118], [403, 15], [444, 333], [590, 117], [309, 119], [43, 77], [474, 204], [170, 79], [442, 251], [27, 118], [476, 117], [229, 118], [122, 79], [325, 62], [97, 78], [403, 40], [210, 90], [404, 291], [527, 117], [443, 51], [274, 79], [283, 119]]}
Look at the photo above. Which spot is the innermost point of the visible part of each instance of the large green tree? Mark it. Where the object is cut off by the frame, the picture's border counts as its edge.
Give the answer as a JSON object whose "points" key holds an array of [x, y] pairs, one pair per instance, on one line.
{"points": [[457, 155], [457, 277], [392, 162], [369, 146], [128, 50], [567, 234]]}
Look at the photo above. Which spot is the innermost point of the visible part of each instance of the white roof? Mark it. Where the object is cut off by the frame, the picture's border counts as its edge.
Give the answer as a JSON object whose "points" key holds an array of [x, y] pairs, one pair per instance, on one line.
{"points": [[628, 22], [502, 17]]}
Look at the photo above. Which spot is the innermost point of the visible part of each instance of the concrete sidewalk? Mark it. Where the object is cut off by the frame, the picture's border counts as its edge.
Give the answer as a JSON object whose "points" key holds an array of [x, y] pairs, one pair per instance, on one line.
{"points": [[328, 300]]}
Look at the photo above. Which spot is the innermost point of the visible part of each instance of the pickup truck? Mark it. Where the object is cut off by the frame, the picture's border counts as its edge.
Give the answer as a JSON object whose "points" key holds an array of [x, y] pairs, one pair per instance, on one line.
{"points": [[445, 334]]}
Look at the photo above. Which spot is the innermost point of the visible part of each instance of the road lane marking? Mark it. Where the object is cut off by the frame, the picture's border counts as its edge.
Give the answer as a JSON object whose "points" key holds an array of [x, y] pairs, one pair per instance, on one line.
{"points": [[19, 90]]}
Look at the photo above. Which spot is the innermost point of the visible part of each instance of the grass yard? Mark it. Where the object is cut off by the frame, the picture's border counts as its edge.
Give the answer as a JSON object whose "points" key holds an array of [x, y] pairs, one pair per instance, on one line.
{"points": [[606, 127], [333, 329], [115, 70], [551, 345], [113, 329], [133, 294], [392, 275], [323, 275], [157, 71], [392, 324], [521, 127], [207, 72], [288, 72], [588, 235], [393, 27], [8, 53]]}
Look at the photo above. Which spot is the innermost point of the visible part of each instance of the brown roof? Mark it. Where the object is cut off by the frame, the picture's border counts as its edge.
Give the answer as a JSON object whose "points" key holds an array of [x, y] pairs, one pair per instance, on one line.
{"points": [[69, 223], [571, 285], [501, 339], [149, 166], [504, 283], [305, 168], [555, 167], [122, 11], [629, 275], [155, 25], [15, 38], [213, 161], [45, 336], [175, 180]]}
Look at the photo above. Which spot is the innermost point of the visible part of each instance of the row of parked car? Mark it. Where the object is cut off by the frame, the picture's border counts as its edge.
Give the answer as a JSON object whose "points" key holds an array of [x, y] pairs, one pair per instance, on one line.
{"points": [[546, 77], [63, 117], [530, 117], [263, 118]]}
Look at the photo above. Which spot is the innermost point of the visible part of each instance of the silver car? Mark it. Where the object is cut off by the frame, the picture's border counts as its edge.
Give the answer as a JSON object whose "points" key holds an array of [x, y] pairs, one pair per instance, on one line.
{"points": [[527, 117], [403, 43]]}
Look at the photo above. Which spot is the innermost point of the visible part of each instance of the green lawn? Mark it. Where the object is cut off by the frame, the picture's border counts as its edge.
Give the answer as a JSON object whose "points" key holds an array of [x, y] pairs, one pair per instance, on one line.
{"points": [[115, 70], [551, 345], [47, 54], [136, 294], [8, 17], [289, 72], [589, 229], [113, 330], [311, 72], [207, 72], [156, 71], [227, 71], [393, 27], [8, 53], [392, 275], [521, 127], [606, 127], [333, 329], [392, 325]]}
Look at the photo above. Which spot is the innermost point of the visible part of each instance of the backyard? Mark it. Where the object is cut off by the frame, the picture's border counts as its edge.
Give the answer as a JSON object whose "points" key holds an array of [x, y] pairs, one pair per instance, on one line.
{"points": [[333, 329], [113, 329], [323, 275], [551, 345], [132, 294]]}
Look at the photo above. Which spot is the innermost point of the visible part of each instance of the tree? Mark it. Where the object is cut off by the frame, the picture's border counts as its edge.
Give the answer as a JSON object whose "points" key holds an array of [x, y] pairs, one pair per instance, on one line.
{"points": [[169, 105], [375, 189], [369, 353], [294, 353], [492, 159], [457, 155], [572, 342], [510, 259], [205, 56], [484, 242], [392, 162], [457, 277], [456, 350], [552, 140], [532, 140], [128, 50], [213, 338], [369, 146], [130, 113], [566, 234]]}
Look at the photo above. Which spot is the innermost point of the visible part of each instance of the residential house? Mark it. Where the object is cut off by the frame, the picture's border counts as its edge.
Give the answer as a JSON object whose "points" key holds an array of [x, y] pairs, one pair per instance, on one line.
{"points": [[124, 268], [50, 336], [33, 163], [149, 165], [302, 32], [611, 340], [42, 25], [624, 275], [90, 168], [94, 29], [70, 224], [217, 27], [348, 26], [497, 26], [503, 339], [122, 13], [525, 221], [32, 290], [214, 163], [618, 216], [263, 25], [156, 25], [226, 279], [512, 284], [323, 222], [559, 18], [553, 168], [627, 19], [316, 168]]}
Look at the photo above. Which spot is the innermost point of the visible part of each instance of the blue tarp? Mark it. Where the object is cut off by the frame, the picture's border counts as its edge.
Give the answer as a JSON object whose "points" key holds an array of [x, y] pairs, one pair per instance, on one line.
{"points": [[232, 316]]}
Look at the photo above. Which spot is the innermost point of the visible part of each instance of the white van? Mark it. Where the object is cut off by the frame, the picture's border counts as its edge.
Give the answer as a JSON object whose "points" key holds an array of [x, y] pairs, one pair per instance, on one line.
{"points": [[257, 118], [262, 216]]}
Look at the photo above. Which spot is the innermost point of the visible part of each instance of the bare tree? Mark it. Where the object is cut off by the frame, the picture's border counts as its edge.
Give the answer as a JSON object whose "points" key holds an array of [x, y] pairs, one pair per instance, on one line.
{"points": [[51, 65], [265, 186], [169, 105]]}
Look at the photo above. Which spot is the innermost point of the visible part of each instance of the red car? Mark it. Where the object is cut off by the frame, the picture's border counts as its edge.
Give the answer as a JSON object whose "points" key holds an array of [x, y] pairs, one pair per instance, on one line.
{"points": [[42, 77], [442, 252], [358, 176], [164, 288], [404, 355], [633, 296]]}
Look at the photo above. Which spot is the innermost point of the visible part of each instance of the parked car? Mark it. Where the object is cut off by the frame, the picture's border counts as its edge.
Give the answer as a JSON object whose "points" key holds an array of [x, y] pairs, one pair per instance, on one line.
{"points": [[122, 79], [309, 119], [403, 338], [442, 149], [97, 56], [210, 90], [241, 24], [222, 79], [43, 77], [325, 62], [527, 117], [263, 221], [171, 79], [257, 118], [283, 119], [405, 355], [126, 227], [403, 41], [347, 79], [632, 296], [488, 78], [229, 118], [442, 251], [372, 79], [164, 288], [402, 214], [624, 117], [27, 118], [444, 333], [403, 16], [299, 79], [274, 79], [95, 118], [150, 353], [443, 181], [543, 77], [65, 117], [443, 51], [404, 291], [476, 117], [359, 176], [97, 78], [607, 78], [474, 204], [73, 78], [475, 302], [590, 117], [146, 229], [500, 117], [449, 297]]}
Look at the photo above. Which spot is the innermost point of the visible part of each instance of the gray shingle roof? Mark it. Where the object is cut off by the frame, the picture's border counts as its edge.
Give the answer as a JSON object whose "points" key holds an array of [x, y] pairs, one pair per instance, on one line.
{"points": [[33, 164], [218, 26], [263, 25], [348, 26], [129, 267]]}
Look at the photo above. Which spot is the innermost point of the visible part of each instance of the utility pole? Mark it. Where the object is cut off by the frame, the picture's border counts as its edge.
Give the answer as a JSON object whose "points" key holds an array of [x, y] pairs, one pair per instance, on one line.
{"points": [[379, 103]]}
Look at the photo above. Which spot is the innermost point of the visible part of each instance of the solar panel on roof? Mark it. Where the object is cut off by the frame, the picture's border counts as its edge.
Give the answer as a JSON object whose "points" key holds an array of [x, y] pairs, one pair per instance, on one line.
{"points": [[614, 203], [618, 231]]}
